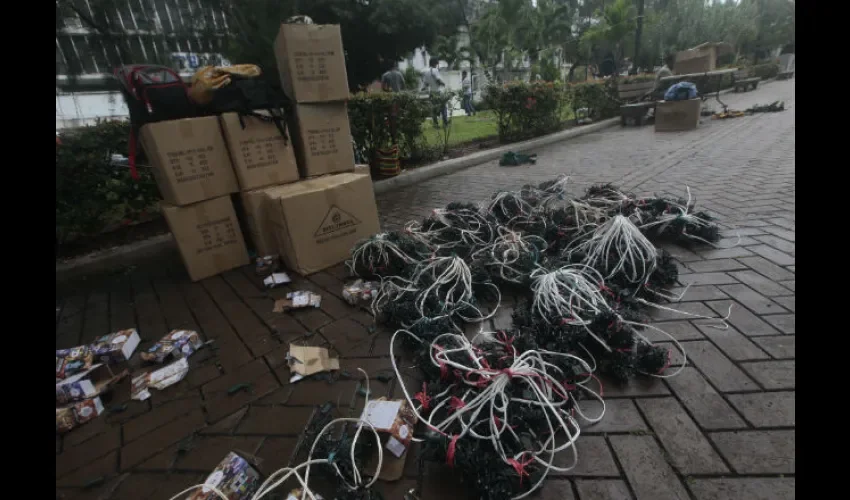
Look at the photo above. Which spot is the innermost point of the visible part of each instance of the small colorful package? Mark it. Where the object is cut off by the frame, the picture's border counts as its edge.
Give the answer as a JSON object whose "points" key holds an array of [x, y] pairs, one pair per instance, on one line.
{"points": [[179, 343], [359, 291], [78, 413], [234, 477], [72, 361], [87, 384], [116, 347]]}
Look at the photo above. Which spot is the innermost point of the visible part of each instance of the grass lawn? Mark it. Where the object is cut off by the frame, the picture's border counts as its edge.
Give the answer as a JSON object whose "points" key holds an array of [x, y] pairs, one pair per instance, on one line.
{"points": [[463, 128], [469, 128]]}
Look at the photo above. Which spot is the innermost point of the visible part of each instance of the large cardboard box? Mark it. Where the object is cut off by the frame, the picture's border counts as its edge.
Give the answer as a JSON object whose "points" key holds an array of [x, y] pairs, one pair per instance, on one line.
{"points": [[258, 231], [700, 59], [311, 62], [322, 139], [673, 116], [190, 161], [208, 236], [261, 156], [317, 221]]}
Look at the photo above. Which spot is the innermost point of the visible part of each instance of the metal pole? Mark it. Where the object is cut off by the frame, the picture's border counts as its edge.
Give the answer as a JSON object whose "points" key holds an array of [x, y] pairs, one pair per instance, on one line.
{"points": [[638, 32]]}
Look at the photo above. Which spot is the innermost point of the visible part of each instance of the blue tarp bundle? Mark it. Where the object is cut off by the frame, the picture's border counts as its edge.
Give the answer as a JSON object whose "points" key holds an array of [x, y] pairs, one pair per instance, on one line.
{"points": [[681, 91]]}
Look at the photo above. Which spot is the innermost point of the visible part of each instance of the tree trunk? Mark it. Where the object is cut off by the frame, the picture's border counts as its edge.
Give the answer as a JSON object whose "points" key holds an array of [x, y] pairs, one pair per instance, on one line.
{"points": [[638, 33]]}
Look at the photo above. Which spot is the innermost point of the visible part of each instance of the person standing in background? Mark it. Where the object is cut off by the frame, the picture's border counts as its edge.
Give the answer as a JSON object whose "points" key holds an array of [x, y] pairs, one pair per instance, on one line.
{"points": [[466, 86], [393, 80], [432, 82]]}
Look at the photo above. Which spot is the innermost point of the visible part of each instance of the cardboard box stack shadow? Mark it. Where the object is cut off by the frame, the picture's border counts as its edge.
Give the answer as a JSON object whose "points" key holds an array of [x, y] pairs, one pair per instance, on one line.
{"points": [[192, 169]]}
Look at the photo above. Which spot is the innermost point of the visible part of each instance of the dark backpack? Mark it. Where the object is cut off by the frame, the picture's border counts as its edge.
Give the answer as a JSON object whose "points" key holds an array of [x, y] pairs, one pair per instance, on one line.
{"points": [[245, 95], [153, 94]]}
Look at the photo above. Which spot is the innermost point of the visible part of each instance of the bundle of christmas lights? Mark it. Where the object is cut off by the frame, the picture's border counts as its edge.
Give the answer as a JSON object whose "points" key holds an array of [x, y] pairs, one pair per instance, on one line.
{"points": [[502, 407]]}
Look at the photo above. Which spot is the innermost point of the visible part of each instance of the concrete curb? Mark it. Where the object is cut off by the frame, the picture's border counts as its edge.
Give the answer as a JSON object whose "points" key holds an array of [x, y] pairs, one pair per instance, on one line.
{"points": [[450, 166], [114, 258]]}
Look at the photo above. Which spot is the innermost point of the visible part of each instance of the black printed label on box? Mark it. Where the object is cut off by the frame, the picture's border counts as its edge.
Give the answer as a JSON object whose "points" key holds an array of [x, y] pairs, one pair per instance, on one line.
{"points": [[312, 66], [336, 224], [217, 234], [322, 142], [189, 165], [259, 153]]}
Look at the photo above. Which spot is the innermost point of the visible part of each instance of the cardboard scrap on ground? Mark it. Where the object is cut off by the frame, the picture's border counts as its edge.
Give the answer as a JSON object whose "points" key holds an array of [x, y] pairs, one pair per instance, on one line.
{"points": [[297, 300], [158, 379], [276, 279], [307, 360], [116, 347]]}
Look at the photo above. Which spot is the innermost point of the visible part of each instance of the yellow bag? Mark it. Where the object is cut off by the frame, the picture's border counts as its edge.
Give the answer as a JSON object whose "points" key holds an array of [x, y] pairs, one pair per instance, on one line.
{"points": [[208, 79]]}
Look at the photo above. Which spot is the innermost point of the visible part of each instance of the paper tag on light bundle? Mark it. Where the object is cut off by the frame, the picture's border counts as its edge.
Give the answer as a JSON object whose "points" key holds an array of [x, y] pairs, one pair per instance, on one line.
{"points": [[277, 279], [396, 447], [381, 414]]}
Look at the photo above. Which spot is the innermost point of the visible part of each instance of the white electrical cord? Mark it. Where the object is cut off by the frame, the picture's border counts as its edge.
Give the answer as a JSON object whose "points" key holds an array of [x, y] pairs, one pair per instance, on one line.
{"points": [[507, 249], [376, 252], [282, 475], [618, 247], [488, 408], [451, 285]]}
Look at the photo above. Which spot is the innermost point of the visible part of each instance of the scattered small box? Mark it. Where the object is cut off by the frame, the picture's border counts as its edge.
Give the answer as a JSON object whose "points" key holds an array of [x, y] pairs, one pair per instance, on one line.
{"points": [[116, 347], [208, 237], [317, 221], [234, 477], [672, 116], [87, 384], [77, 414], [260, 153], [311, 62], [189, 158], [178, 343], [322, 138], [72, 361]]}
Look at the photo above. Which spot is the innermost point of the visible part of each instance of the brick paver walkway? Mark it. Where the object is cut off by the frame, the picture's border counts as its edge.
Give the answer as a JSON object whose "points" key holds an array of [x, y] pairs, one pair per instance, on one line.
{"points": [[724, 428]]}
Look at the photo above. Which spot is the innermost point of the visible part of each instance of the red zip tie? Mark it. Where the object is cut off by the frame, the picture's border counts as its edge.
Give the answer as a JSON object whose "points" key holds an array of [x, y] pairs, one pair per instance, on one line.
{"points": [[424, 398], [519, 467], [666, 363], [450, 452], [455, 403]]}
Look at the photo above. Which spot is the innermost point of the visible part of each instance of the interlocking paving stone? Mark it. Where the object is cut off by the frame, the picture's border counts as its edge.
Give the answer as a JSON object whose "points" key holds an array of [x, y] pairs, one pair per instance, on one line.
{"points": [[760, 284], [758, 452], [767, 268], [741, 318], [620, 416], [772, 254], [732, 343], [717, 367], [647, 469], [784, 322], [602, 489], [709, 409], [772, 374], [715, 265], [751, 299], [751, 488], [767, 409], [690, 451], [594, 459], [781, 347]]}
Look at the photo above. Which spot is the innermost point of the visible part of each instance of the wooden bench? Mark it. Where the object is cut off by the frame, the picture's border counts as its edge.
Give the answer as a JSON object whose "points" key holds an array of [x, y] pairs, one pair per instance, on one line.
{"points": [[743, 81]]}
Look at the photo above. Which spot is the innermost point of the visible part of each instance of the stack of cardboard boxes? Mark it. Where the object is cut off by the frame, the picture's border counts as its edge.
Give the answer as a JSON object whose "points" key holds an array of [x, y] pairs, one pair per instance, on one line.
{"points": [[298, 197]]}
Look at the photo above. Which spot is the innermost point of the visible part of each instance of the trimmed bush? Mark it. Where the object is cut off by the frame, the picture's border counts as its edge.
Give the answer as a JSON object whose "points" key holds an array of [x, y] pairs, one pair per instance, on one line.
{"points": [[524, 110], [92, 194], [370, 117], [599, 98], [765, 71]]}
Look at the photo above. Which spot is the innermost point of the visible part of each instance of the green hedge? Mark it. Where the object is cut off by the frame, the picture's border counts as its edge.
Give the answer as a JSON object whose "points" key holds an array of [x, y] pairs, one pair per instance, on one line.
{"points": [[524, 110], [599, 98], [91, 193], [765, 71], [370, 115]]}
